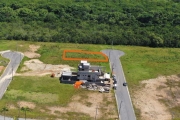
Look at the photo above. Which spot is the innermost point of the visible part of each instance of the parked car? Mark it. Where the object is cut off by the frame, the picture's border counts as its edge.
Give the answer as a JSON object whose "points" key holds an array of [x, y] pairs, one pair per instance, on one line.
{"points": [[124, 84], [114, 86]]}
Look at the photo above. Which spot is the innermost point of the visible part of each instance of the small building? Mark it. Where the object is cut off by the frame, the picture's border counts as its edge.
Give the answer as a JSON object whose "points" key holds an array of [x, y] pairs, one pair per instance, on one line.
{"points": [[86, 73]]}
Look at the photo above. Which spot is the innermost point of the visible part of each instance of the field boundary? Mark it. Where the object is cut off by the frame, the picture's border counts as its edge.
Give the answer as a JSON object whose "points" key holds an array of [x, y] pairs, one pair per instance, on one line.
{"points": [[86, 52]]}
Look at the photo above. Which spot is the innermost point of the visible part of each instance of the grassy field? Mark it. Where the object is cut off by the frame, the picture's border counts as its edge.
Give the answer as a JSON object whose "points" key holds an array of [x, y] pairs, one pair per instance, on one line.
{"points": [[84, 55], [45, 92], [42, 91], [139, 63]]}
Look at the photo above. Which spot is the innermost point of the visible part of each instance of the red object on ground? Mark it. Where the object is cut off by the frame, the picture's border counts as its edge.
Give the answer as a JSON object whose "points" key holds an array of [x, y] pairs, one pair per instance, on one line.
{"points": [[77, 84]]}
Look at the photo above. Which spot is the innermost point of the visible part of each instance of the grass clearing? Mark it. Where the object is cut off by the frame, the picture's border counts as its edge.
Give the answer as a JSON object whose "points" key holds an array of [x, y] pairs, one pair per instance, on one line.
{"points": [[139, 63], [37, 88], [42, 91], [84, 55], [3, 61]]}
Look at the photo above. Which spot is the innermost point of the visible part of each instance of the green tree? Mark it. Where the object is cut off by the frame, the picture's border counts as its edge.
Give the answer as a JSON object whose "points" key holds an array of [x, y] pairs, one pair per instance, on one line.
{"points": [[50, 17], [25, 109], [4, 110], [7, 14]]}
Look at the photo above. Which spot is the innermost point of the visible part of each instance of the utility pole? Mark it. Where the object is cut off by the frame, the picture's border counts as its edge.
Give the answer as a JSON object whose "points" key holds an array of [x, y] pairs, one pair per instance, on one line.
{"points": [[4, 109], [112, 44], [12, 72], [16, 47], [119, 109], [96, 112]]}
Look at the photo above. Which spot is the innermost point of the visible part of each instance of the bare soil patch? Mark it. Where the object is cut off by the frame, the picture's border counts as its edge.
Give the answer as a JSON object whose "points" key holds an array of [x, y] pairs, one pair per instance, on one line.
{"points": [[89, 105], [32, 55], [35, 67], [1, 68], [156, 97], [30, 105], [31, 52], [34, 48]]}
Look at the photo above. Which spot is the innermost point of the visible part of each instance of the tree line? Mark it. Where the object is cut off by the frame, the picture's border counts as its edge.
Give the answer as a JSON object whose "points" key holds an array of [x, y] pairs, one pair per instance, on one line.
{"points": [[154, 23]]}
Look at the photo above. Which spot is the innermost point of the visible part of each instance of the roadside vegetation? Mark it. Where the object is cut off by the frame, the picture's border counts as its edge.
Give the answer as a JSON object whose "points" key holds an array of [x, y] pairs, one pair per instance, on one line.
{"points": [[152, 23], [46, 92], [3, 63], [142, 63]]}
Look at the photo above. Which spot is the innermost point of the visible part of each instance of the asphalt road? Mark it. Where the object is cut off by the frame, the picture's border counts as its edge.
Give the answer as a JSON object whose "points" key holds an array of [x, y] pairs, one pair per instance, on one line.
{"points": [[5, 79], [125, 108], [7, 76]]}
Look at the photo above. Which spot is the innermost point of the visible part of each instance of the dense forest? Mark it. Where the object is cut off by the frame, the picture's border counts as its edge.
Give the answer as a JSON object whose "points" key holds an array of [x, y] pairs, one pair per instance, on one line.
{"points": [[154, 23]]}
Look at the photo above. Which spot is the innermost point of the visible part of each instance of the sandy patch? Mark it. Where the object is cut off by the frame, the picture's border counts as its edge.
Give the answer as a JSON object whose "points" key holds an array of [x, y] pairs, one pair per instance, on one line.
{"points": [[30, 105], [89, 104], [80, 107], [32, 55], [11, 106], [34, 48], [31, 52], [1, 68], [148, 98], [35, 67]]}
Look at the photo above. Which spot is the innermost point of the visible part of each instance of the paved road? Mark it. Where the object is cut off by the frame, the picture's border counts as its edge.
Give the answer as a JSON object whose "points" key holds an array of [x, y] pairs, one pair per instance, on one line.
{"points": [[5, 79], [125, 108], [7, 76]]}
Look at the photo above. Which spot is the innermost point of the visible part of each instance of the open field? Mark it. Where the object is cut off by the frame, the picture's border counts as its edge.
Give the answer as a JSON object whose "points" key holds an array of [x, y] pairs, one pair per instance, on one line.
{"points": [[139, 63], [47, 98], [84, 55], [3, 63]]}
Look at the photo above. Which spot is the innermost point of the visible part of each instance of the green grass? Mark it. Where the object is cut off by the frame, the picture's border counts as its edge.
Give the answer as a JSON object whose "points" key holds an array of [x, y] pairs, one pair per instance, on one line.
{"points": [[51, 53], [22, 64], [43, 91], [139, 63], [39, 90], [175, 112], [3, 62], [75, 116], [84, 55]]}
